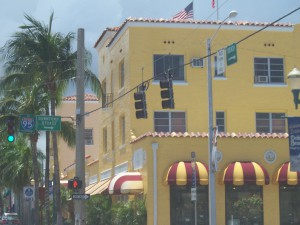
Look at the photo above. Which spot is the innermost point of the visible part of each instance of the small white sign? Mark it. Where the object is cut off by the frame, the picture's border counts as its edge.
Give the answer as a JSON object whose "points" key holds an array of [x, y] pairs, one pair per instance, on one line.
{"points": [[221, 61], [193, 194]]}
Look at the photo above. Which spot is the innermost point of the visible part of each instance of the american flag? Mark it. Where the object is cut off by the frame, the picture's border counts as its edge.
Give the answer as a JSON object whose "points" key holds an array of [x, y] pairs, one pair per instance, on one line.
{"points": [[185, 14]]}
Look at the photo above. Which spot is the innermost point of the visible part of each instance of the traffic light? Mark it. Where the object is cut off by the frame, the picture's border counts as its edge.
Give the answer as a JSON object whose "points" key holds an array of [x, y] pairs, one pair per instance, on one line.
{"points": [[140, 105], [11, 129], [167, 94], [70, 184], [75, 183]]}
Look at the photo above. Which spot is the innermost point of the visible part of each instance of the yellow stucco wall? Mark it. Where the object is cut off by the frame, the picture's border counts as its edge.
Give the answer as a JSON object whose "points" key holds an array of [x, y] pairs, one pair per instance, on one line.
{"points": [[237, 95], [173, 149], [67, 154]]}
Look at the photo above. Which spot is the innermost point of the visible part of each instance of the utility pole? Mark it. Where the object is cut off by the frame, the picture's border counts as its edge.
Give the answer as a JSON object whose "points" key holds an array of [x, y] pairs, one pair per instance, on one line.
{"points": [[79, 205]]}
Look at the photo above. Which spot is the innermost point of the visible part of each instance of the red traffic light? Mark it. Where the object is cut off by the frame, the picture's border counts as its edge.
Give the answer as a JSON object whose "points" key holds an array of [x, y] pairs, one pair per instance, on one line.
{"points": [[75, 183]]}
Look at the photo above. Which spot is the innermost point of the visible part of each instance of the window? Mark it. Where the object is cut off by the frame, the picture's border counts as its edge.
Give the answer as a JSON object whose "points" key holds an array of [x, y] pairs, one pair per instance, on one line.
{"points": [[122, 130], [268, 70], [289, 198], [270, 122], [121, 74], [169, 122], [139, 157], [244, 205], [113, 135], [105, 175], [93, 179], [88, 137], [104, 133], [121, 168], [220, 121], [182, 208], [162, 64]]}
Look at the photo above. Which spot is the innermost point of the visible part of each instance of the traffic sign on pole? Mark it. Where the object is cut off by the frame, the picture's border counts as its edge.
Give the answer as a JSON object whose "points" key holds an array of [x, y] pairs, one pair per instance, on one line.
{"points": [[221, 62], [231, 54], [80, 196], [27, 123], [48, 123]]}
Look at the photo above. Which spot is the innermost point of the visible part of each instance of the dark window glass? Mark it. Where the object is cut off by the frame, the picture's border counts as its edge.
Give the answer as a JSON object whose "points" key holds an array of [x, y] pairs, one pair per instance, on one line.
{"points": [[169, 122], [244, 205], [165, 65], [182, 209], [88, 137], [270, 122], [220, 121], [268, 70], [289, 200]]}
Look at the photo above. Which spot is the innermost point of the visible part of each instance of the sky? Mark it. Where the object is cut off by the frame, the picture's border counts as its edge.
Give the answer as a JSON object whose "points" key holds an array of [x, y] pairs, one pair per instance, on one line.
{"points": [[96, 15]]}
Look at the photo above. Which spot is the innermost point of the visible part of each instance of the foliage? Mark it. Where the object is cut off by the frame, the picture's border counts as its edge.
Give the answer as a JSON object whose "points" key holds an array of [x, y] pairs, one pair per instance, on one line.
{"points": [[132, 212], [16, 167], [248, 208], [99, 210]]}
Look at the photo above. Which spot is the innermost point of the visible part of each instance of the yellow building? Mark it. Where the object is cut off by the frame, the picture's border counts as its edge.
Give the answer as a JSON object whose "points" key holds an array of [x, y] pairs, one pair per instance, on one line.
{"points": [[251, 100], [67, 154]]}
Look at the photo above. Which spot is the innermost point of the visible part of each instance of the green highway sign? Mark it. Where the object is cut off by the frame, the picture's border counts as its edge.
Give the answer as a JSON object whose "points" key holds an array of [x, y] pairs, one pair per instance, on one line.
{"points": [[27, 123], [48, 123], [231, 54]]}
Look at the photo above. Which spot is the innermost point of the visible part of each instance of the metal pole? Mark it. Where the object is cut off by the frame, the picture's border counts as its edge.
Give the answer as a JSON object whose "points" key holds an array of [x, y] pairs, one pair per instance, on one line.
{"points": [[80, 150], [211, 185]]}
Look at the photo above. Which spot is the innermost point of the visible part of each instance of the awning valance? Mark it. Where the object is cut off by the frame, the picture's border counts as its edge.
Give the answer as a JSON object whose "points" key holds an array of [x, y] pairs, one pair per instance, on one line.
{"points": [[181, 173], [126, 183], [97, 188], [286, 177], [240, 173]]}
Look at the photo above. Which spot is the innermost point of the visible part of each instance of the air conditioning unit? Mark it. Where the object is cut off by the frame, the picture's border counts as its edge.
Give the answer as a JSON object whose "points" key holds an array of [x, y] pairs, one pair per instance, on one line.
{"points": [[261, 79], [197, 62]]}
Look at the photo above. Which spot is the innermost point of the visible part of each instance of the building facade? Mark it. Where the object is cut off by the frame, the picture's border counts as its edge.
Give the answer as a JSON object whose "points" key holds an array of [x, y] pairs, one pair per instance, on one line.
{"points": [[163, 155]]}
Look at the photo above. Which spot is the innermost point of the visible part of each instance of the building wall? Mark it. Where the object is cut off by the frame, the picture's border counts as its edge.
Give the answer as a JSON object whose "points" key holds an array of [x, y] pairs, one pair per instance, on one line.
{"points": [[67, 154], [236, 94], [174, 149]]}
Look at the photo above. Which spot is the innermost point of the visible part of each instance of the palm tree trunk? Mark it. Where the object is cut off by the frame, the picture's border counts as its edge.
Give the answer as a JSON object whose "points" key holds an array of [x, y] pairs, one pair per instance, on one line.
{"points": [[56, 166], [34, 138]]}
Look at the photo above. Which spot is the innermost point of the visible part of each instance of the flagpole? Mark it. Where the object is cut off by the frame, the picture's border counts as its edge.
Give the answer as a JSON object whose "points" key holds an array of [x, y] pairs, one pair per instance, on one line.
{"points": [[193, 10]]}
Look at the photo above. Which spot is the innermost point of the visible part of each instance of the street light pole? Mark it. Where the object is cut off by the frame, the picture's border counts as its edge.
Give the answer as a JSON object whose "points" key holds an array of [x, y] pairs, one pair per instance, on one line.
{"points": [[211, 177]]}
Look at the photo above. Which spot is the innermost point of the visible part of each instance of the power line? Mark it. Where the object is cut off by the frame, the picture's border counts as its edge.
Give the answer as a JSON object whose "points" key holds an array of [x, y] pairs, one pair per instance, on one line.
{"points": [[204, 57]]}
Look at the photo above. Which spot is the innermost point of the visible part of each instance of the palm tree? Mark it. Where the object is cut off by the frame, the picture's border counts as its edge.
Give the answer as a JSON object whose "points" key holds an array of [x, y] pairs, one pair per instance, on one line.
{"points": [[30, 101], [35, 55]]}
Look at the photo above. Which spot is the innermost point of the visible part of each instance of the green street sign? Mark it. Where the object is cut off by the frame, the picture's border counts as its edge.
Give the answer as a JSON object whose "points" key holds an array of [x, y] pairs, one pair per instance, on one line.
{"points": [[231, 54], [27, 123], [48, 123]]}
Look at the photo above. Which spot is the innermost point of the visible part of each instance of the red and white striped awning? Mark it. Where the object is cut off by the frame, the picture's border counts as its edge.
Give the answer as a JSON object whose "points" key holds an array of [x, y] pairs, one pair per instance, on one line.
{"points": [[126, 183], [285, 176], [181, 173], [240, 173]]}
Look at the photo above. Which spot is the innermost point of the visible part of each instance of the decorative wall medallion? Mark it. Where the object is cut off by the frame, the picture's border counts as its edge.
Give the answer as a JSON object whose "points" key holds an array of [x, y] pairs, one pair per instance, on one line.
{"points": [[270, 156]]}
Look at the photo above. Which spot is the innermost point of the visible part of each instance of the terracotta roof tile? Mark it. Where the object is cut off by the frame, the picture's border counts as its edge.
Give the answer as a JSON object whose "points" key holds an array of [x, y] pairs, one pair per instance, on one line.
{"points": [[171, 21], [205, 135], [87, 97]]}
